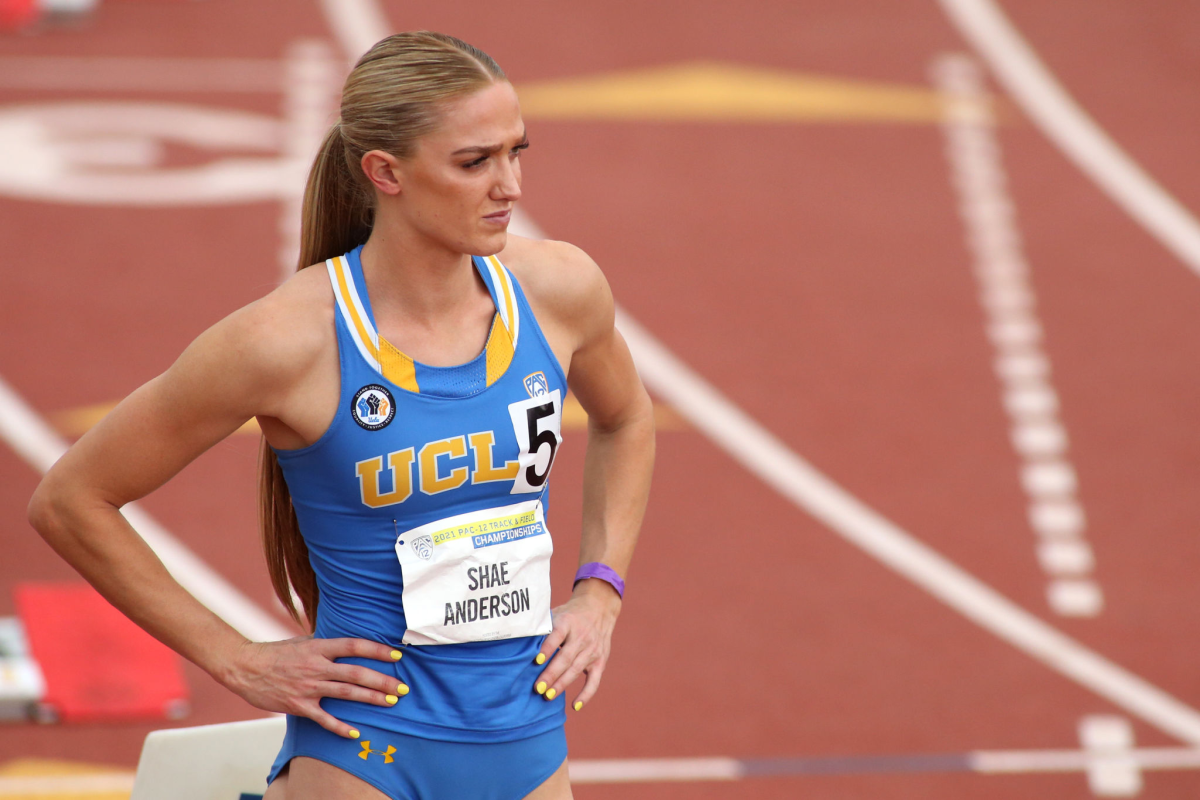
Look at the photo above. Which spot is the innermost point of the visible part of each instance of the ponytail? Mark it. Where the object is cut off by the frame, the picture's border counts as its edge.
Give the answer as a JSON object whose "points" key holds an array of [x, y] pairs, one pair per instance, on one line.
{"points": [[336, 218], [338, 212], [390, 100]]}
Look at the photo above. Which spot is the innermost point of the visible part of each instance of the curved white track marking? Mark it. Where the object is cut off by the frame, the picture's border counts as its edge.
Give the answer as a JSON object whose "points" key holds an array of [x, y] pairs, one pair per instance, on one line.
{"points": [[759, 451], [1034, 87], [312, 87], [357, 24], [40, 446], [64, 151], [764, 455], [522, 225]]}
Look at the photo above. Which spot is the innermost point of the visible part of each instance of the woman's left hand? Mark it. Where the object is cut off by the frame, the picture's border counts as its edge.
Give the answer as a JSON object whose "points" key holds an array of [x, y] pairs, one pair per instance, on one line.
{"points": [[582, 635]]}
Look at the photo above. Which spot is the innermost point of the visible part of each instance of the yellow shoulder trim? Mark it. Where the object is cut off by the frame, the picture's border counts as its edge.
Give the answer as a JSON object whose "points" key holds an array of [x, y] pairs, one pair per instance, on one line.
{"points": [[499, 350], [364, 338], [506, 296], [397, 367]]}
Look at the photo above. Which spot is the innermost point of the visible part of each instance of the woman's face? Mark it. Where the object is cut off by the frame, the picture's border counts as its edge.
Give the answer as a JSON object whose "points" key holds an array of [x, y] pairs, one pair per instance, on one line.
{"points": [[461, 183]]}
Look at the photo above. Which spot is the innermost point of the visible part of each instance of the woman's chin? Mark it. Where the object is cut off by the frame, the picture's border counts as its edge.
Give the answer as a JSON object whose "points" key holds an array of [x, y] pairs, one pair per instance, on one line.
{"points": [[489, 244]]}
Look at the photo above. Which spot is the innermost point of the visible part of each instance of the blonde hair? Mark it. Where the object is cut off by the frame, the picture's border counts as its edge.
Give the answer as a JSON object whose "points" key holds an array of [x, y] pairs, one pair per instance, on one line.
{"points": [[391, 99]]}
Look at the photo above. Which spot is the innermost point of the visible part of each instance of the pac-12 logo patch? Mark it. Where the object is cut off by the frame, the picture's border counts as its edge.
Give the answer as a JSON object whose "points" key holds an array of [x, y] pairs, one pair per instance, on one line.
{"points": [[536, 384], [423, 547], [373, 407]]}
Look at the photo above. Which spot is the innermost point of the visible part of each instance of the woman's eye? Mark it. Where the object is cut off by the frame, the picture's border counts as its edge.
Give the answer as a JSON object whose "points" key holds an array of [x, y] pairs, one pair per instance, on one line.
{"points": [[477, 162]]}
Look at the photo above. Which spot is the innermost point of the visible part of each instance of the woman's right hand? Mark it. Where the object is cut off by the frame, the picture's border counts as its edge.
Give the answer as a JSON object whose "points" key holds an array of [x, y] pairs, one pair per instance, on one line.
{"points": [[292, 676]]}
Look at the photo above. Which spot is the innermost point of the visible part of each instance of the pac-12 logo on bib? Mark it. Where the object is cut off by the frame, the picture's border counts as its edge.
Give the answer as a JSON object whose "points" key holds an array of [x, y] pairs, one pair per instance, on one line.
{"points": [[423, 547], [373, 407], [537, 385]]}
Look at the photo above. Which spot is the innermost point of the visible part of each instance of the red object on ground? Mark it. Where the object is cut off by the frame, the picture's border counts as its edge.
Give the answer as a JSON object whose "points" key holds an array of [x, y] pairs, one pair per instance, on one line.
{"points": [[16, 14], [98, 665]]}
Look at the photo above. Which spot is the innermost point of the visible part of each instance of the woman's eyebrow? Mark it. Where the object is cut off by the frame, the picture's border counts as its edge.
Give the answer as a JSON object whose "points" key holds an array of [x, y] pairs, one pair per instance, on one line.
{"points": [[489, 149]]}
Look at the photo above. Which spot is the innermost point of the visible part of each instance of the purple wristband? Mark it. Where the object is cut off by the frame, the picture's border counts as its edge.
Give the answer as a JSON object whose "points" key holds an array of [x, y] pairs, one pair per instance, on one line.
{"points": [[605, 573]]}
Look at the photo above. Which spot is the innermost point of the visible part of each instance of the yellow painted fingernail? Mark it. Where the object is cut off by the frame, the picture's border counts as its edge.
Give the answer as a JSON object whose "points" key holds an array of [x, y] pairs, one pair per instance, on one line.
{"points": [[550, 695], [541, 658], [402, 690], [578, 704], [541, 687], [353, 733], [397, 655], [391, 698]]}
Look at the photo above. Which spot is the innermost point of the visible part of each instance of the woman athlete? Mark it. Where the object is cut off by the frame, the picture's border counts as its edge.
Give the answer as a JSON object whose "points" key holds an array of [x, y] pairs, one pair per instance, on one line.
{"points": [[409, 382]]}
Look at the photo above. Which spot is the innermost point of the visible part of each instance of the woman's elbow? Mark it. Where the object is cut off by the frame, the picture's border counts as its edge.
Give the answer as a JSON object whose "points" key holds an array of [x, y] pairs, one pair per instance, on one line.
{"points": [[635, 418], [48, 507]]}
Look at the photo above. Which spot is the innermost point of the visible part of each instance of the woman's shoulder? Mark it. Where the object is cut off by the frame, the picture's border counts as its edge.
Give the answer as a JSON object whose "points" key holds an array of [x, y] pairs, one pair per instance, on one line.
{"points": [[546, 260], [300, 305], [306, 292], [283, 332], [558, 277]]}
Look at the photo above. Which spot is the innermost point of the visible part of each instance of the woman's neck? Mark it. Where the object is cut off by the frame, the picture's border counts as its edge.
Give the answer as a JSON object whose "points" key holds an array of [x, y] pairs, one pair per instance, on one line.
{"points": [[409, 276]]}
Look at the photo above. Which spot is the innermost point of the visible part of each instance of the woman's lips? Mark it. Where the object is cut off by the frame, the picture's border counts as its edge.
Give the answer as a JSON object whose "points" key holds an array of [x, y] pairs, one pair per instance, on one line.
{"points": [[500, 217]]}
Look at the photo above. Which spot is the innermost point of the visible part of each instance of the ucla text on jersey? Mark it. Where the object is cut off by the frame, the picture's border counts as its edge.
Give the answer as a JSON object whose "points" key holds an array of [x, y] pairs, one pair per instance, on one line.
{"points": [[423, 510]]}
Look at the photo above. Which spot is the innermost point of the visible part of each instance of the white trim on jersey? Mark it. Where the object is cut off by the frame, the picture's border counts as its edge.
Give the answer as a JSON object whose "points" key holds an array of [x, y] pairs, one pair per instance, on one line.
{"points": [[506, 298], [368, 352]]}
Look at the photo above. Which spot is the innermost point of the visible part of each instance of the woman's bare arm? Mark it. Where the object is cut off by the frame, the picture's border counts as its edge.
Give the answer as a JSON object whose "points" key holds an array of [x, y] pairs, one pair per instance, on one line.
{"points": [[252, 363], [617, 465]]}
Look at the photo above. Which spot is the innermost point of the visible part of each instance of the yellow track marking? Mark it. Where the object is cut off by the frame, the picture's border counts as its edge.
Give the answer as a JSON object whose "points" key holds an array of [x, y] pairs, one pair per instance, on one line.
{"points": [[710, 92], [43, 779]]}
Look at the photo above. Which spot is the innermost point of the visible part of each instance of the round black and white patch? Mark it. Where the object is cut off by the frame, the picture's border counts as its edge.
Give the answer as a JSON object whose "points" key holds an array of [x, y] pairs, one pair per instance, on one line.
{"points": [[373, 407]]}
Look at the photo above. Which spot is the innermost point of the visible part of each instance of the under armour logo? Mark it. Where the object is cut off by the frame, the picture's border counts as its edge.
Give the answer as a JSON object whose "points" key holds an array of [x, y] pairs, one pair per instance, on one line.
{"points": [[367, 751]]}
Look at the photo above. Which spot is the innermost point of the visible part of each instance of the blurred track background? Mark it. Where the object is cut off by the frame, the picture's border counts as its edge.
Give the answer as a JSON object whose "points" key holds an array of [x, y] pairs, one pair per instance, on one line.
{"points": [[927, 375]]}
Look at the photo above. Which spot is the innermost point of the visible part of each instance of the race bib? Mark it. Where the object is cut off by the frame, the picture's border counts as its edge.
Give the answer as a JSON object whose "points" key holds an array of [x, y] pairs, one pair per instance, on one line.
{"points": [[478, 576]]}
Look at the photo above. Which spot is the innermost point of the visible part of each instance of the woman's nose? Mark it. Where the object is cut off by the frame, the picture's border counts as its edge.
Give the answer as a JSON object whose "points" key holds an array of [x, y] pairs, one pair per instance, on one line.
{"points": [[508, 187]]}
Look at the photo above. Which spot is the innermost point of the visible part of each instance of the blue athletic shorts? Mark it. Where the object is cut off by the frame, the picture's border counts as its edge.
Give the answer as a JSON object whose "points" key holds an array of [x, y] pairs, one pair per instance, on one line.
{"points": [[407, 767]]}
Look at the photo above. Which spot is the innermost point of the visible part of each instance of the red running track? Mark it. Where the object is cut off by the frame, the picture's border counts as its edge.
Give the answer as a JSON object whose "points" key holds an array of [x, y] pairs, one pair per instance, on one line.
{"points": [[817, 274]]}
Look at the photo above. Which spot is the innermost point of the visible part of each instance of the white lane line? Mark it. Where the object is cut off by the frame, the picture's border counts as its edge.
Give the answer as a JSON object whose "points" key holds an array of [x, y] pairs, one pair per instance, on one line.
{"points": [[645, 770], [984, 762], [765, 456], [1030, 761], [656, 770], [38, 444], [1061, 119], [128, 74], [1010, 306], [311, 88], [1112, 770]]}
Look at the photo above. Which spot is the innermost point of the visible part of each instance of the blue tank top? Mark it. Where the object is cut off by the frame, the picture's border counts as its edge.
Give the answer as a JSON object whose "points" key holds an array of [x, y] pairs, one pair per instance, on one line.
{"points": [[410, 445]]}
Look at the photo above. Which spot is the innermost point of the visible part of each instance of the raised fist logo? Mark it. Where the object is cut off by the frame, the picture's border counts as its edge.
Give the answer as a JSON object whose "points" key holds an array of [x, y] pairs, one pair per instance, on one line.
{"points": [[373, 407]]}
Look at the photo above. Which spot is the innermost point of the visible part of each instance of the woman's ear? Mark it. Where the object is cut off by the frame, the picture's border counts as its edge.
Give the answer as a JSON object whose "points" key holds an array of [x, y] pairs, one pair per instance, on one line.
{"points": [[382, 170]]}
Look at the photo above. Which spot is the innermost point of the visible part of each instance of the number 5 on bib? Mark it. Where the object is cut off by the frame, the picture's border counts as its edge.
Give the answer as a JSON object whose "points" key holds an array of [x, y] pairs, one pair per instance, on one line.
{"points": [[538, 425]]}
